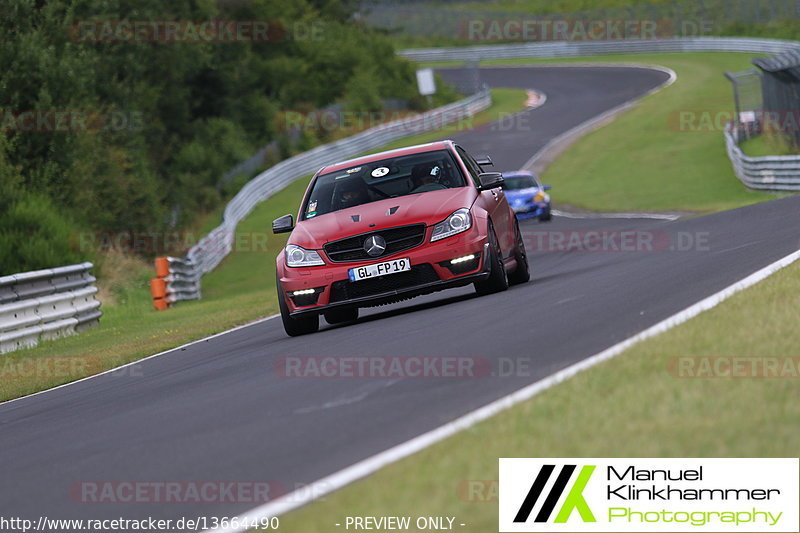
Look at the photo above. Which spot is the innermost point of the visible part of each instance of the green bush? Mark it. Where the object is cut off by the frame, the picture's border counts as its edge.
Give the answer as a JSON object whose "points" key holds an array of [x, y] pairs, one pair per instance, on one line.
{"points": [[34, 235], [166, 120]]}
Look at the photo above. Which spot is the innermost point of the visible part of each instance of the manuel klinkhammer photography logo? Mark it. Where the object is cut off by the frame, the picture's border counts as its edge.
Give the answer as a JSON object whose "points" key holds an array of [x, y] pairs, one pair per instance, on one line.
{"points": [[574, 500], [757, 494]]}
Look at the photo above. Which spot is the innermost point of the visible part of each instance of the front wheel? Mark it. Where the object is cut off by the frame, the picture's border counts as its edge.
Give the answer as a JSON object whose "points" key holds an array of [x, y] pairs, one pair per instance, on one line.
{"points": [[498, 278], [295, 327], [522, 274]]}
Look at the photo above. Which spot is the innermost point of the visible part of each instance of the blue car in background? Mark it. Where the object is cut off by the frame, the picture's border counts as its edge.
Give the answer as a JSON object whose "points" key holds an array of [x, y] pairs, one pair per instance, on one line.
{"points": [[526, 195]]}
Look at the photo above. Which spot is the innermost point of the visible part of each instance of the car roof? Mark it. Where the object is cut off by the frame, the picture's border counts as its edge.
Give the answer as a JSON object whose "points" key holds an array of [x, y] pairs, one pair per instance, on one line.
{"points": [[416, 149]]}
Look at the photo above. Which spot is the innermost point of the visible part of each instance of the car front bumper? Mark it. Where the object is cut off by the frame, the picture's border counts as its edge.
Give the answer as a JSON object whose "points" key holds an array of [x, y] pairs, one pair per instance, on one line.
{"points": [[431, 272], [531, 210]]}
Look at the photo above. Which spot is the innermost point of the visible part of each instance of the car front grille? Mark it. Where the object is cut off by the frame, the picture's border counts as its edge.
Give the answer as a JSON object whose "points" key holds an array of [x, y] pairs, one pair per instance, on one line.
{"points": [[397, 240], [418, 275]]}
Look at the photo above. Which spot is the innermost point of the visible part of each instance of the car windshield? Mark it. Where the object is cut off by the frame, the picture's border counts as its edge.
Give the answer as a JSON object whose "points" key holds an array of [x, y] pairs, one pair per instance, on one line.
{"points": [[519, 182], [387, 178]]}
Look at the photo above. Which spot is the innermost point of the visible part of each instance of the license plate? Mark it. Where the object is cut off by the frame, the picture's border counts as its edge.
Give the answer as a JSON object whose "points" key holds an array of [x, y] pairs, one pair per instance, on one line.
{"points": [[380, 269]]}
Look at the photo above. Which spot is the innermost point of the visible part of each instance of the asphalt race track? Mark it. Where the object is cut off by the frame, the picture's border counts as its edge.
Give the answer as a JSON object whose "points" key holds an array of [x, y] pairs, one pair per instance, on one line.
{"points": [[574, 95], [219, 410]]}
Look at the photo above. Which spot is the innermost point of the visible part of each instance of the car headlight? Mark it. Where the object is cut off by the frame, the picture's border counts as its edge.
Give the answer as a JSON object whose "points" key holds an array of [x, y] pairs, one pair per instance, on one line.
{"points": [[456, 223], [540, 197], [300, 257]]}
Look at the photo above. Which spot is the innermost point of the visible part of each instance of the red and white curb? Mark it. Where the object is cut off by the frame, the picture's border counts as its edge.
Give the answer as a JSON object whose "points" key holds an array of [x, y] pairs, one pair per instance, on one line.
{"points": [[535, 99]]}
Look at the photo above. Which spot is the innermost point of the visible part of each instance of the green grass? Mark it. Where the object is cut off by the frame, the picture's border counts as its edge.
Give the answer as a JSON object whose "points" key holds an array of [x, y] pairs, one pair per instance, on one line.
{"points": [[764, 145], [630, 406], [240, 290], [647, 159]]}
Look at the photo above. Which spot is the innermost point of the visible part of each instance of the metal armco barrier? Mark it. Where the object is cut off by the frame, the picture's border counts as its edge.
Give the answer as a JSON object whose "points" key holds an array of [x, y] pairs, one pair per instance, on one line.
{"points": [[776, 173], [543, 50], [46, 304], [176, 279], [214, 247]]}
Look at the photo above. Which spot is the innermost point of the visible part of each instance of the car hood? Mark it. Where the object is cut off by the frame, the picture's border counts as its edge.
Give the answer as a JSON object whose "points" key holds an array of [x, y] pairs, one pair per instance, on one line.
{"points": [[428, 208], [521, 193]]}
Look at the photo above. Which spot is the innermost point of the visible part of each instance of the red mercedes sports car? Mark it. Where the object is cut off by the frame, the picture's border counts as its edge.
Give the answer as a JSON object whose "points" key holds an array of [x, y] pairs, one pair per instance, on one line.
{"points": [[390, 226]]}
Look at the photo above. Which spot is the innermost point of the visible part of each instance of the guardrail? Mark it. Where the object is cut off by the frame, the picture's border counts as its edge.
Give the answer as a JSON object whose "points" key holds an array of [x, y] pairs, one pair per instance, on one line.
{"points": [[775, 173], [46, 304], [176, 279], [214, 247], [592, 48]]}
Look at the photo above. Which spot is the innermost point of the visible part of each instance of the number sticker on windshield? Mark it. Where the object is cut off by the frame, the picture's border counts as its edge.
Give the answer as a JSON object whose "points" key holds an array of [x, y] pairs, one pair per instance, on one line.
{"points": [[380, 172]]}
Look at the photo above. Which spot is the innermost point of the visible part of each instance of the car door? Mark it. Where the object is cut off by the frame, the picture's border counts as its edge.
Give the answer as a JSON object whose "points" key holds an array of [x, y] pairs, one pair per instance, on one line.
{"points": [[494, 201]]}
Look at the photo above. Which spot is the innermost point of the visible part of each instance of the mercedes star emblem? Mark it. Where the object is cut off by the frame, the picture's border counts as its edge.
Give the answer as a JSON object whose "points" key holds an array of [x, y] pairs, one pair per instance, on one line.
{"points": [[375, 245]]}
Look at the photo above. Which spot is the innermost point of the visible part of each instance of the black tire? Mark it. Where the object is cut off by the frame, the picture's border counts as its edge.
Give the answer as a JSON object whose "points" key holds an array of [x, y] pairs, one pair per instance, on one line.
{"points": [[498, 278], [340, 316], [546, 217], [295, 327], [522, 274]]}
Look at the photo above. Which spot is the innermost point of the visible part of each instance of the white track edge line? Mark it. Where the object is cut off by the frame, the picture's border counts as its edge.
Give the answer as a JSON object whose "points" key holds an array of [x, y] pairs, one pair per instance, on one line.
{"points": [[372, 464], [115, 369], [655, 216]]}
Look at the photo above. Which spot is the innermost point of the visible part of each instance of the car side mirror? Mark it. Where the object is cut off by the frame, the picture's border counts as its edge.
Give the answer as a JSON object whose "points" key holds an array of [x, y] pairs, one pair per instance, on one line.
{"points": [[547, 187], [284, 224], [484, 161], [490, 180]]}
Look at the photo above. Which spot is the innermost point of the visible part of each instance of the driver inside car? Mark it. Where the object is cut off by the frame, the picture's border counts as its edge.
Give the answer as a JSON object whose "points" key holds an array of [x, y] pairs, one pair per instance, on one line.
{"points": [[351, 192], [426, 177]]}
